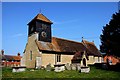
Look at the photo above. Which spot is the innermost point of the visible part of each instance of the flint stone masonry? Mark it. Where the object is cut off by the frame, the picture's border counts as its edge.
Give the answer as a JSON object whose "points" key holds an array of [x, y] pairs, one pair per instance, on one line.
{"points": [[18, 69]]}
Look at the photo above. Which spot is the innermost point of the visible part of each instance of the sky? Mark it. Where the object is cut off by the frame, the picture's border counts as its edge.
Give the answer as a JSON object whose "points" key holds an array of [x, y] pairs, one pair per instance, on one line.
{"points": [[71, 20]]}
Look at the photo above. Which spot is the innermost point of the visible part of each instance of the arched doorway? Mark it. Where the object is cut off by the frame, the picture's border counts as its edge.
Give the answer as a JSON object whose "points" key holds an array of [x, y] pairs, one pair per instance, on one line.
{"points": [[84, 61]]}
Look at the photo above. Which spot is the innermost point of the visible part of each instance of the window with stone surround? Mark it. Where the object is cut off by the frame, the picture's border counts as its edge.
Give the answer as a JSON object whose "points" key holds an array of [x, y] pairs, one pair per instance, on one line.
{"points": [[58, 57]]}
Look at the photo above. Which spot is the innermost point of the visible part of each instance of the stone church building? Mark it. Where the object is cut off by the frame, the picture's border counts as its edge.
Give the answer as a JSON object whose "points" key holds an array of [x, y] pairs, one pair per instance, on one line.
{"points": [[42, 49]]}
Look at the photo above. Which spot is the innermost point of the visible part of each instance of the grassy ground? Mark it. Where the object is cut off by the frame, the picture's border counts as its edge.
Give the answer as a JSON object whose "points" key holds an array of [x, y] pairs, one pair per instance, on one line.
{"points": [[94, 73]]}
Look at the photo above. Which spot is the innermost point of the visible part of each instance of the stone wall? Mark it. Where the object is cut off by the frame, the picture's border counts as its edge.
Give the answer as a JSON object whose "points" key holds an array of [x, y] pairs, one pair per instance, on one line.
{"points": [[66, 59], [48, 58], [31, 47], [94, 59], [91, 60], [52, 59]]}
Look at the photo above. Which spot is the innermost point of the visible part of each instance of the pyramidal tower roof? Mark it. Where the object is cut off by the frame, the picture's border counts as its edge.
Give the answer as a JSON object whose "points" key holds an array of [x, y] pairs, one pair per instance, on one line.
{"points": [[42, 18]]}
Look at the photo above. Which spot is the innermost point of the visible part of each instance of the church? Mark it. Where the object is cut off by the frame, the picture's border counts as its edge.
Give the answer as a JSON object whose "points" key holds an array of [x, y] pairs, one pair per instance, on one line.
{"points": [[42, 49]]}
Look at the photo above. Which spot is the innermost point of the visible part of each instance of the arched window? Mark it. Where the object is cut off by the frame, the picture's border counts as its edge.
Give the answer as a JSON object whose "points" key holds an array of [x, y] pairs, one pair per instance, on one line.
{"points": [[84, 61]]}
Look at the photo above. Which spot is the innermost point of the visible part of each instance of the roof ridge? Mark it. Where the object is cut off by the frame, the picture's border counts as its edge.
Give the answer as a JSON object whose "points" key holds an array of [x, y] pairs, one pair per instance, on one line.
{"points": [[45, 17], [12, 55], [8, 55], [67, 40], [41, 15], [88, 42], [42, 18]]}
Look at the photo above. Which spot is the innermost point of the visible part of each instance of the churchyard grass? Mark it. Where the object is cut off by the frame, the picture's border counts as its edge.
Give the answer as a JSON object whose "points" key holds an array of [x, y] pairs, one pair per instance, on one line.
{"points": [[94, 73]]}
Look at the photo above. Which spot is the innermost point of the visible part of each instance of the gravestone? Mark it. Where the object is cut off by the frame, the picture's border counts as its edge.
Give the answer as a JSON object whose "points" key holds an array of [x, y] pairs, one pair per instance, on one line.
{"points": [[68, 67], [18, 69], [62, 68], [78, 67], [48, 67], [85, 69], [59, 67], [73, 66], [42, 67], [32, 70]]}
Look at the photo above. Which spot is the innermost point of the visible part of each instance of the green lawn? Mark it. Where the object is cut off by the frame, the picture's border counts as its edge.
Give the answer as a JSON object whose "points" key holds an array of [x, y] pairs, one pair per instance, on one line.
{"points": [[94, 73]]}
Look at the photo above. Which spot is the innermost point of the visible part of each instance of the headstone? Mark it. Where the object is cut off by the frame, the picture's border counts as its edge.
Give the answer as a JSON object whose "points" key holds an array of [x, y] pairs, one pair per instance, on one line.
{"points": [[18, 69], [78, 67], [68, 67], [32, 70], [42, 67], [62, 68], [73, 66], [85, 69], [58, 69], [48, 67]]}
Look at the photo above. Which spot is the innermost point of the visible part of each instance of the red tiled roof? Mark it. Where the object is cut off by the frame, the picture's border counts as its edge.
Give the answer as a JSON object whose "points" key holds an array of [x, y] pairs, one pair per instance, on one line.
{"points": [[47, 46], [65, 46], [61, 45], [91, 47], [9, 57], [17, 57], [42, 18]]}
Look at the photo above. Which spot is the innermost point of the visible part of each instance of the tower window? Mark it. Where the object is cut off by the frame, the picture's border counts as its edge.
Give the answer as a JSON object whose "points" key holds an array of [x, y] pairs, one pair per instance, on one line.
{"points": [[30, 55], [58, 57]]}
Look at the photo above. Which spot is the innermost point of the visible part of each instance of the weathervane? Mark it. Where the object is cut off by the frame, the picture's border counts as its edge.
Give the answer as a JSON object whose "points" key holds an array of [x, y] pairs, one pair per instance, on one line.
{"points": [[82, 38]]}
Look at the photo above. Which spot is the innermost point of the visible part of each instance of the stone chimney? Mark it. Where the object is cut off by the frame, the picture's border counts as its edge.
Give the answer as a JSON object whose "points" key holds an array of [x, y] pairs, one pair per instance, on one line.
{"points": [[18, 54], [2, 52]]}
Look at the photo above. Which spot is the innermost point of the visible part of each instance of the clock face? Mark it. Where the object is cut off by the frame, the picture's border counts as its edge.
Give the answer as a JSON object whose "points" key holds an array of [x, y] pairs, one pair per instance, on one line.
{"points": [[44, 34]]}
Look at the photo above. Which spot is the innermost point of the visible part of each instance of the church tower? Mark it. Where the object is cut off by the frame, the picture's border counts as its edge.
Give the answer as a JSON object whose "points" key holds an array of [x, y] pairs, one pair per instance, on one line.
{"points": [[41, 25]]}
